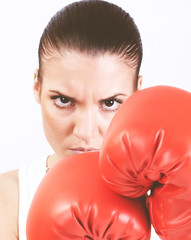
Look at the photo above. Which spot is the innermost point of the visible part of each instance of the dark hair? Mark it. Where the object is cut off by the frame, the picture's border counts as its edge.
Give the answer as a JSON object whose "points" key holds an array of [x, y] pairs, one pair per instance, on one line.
{"points": [[94, 27]]}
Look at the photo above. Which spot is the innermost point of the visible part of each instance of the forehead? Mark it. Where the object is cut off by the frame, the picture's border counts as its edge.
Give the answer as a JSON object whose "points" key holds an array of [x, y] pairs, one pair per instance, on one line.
{"points": [[73, 61], [74, 67]]}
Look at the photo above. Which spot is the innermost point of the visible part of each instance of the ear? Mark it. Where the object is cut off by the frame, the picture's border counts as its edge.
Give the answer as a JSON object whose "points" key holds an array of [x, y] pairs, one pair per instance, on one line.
{"points": [[139, 82], [36, 87]]}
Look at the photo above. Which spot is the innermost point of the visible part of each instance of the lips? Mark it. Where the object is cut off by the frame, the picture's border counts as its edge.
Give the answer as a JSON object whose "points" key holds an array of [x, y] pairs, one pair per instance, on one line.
{"points": [[83, 150]]}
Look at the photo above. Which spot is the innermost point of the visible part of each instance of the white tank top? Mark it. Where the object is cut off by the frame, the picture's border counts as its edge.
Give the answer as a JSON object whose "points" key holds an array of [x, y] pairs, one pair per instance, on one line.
{"points": [[30, 177]]}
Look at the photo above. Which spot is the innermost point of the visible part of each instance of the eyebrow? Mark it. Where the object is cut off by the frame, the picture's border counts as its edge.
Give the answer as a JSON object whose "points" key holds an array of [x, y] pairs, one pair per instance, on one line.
{"points": [[61, 94], [113, 96], [101, 100]]}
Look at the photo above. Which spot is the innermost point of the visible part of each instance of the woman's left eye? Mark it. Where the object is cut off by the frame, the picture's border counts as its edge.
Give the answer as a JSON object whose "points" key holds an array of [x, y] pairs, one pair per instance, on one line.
{"points": [[62, 101], [111, 104]]}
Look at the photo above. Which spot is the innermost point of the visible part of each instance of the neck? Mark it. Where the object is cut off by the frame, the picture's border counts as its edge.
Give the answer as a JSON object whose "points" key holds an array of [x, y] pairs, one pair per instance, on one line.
{"points": [[51, 160]]}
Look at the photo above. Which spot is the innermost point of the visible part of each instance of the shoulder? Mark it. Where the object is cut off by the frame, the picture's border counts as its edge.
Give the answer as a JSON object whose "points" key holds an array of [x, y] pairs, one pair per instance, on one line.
{"points": [[9, 205]]}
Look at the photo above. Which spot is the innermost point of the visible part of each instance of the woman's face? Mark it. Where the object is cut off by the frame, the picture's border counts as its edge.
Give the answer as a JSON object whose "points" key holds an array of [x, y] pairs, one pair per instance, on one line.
{"points": [[79, 96]]}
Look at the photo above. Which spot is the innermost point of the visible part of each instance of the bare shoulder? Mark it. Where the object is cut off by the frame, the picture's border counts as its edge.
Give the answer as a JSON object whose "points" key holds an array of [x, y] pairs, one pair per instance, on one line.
{"points": [[9, 205]]}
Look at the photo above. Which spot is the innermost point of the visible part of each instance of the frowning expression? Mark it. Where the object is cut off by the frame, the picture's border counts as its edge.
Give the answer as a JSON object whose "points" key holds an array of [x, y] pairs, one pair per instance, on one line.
{"points": [[79, 96]]}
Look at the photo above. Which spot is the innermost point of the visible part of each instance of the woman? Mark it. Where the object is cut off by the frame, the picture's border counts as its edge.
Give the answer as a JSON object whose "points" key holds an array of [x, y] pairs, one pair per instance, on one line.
{"points": [[89, 60]]}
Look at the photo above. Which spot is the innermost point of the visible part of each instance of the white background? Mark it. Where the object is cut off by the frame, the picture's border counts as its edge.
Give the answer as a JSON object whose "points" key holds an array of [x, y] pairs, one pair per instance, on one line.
{"points": [[165, 26]]}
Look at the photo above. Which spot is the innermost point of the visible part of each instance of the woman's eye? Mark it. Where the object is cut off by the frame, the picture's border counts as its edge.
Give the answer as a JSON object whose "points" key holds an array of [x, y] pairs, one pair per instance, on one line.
{"points": [[63, 102], [111, 104]]}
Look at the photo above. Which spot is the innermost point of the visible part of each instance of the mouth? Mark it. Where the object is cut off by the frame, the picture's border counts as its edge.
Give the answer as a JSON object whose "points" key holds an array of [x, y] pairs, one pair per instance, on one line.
{"points": [[83, 150]]}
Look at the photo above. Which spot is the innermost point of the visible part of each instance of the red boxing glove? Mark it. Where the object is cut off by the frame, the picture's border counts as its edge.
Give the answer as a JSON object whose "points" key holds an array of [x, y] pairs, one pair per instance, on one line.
{"points": [[148, 145], [73, 202]]}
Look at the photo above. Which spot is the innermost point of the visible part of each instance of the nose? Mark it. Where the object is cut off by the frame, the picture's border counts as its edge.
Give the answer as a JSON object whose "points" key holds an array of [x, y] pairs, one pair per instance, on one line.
{"points": [[86, 125]]}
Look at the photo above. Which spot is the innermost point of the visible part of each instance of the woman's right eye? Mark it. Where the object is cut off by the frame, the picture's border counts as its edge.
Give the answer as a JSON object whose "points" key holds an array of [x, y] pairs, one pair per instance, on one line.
{"points": [[62, 101]]}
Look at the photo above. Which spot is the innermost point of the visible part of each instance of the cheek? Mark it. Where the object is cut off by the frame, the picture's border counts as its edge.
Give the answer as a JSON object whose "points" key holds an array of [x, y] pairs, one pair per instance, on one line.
{"points": [[56, 126], [105, 121]]}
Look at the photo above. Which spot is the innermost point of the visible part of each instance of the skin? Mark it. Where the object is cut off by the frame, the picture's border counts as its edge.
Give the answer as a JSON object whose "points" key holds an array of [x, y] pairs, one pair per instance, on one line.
{"points": [[77, 101], [9, 205], [79, 96]]}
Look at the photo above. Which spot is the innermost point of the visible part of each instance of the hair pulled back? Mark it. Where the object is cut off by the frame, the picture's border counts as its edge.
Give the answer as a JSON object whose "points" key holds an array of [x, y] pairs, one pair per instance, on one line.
{"points": [[93, 27]]}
